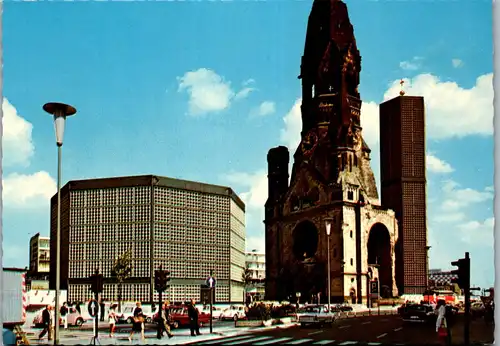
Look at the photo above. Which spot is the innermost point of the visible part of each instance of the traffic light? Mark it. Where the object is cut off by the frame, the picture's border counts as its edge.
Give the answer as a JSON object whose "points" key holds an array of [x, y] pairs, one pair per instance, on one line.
{"points": [[463, 273], [162, 277], [97, 282], [159, 280]]}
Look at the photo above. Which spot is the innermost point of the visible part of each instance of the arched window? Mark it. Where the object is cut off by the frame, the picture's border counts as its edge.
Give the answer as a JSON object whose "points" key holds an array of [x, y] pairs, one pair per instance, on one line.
{"points": [[351, 233], [352, 261]]}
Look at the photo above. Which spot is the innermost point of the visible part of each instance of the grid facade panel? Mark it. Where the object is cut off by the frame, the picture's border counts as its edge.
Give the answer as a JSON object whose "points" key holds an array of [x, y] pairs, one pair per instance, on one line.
{"points": [[191, 236]]}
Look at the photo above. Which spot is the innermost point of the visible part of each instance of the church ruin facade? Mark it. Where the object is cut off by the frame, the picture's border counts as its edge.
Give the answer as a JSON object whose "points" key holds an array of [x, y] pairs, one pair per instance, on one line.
{"points": [[331, 180]]}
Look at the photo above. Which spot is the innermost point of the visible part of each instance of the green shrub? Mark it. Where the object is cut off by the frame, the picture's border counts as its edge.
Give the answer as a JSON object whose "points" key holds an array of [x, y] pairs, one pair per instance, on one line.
{"points": [[259, 312]]}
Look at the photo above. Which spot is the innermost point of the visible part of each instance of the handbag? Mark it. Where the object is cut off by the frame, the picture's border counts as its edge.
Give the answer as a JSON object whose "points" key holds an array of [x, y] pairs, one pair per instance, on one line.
{"points": [[443, 330]]}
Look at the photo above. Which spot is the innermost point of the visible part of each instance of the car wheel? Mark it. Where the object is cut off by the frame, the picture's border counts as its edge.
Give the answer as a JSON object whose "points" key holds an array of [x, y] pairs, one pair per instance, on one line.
{"points": [[79, 322], [175, 324], [129, 320], [201, 324], [235, 318], [148, 320]]}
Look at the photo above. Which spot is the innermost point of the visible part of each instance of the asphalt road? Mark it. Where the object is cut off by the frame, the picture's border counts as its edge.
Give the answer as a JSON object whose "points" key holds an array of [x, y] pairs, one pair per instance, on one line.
{"points": [[370, 330]]}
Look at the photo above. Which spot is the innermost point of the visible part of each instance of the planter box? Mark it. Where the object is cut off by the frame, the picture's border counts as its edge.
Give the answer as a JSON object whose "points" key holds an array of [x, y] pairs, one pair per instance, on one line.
{"points": [[253, 323]]}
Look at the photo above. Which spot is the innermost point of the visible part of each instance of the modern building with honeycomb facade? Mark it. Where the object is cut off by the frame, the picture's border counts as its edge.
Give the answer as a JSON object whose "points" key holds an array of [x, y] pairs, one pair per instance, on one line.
{"points": [[189, 228]]}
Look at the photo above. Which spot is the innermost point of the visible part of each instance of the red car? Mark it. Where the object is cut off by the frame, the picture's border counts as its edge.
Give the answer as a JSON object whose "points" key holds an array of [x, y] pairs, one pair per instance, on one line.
{"points": [[179, 316]]}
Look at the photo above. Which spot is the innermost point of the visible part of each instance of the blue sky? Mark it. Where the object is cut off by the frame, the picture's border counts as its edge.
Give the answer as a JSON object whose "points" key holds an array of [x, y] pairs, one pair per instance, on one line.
{"points": [[201, 91]]}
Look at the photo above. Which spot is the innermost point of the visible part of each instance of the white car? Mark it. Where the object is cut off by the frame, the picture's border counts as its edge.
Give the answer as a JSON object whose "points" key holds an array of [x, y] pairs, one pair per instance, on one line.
{"points": [[234, 312], [128, 314], [315, 314], [216, 311]]}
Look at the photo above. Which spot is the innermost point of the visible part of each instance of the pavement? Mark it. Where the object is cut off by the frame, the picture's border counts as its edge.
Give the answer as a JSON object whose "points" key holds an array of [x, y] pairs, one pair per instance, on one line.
{"points": [[79, 336], [369, 330]]}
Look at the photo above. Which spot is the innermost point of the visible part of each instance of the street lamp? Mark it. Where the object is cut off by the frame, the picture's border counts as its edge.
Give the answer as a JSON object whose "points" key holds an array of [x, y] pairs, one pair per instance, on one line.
{"points": [[60, 111], [328, 226]]}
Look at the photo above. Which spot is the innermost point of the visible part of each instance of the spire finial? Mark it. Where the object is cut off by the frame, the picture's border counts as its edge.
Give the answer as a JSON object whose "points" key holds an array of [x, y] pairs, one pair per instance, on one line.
{"points": [[402, 92]]}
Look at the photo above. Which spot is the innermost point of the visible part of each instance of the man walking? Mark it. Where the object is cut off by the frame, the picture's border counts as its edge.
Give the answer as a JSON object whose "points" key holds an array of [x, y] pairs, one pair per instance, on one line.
{"points": [[64, 314], [193, 319], [163, 317], [47, 323]]}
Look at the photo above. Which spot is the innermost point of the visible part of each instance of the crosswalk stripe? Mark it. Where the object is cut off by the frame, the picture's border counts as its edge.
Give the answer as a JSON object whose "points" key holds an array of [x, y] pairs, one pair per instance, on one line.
{"points": [[273, 341], [323, 342], [298, 341], [217, 341], [349, 343], [237, 342], [374, 343]]}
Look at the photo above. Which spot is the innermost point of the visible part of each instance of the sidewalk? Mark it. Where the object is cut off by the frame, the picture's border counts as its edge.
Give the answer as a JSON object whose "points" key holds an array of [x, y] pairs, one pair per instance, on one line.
{"points": [[181, 336]]}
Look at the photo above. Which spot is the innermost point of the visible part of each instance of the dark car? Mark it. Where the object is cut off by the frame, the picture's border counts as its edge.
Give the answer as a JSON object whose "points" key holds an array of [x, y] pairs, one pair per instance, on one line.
{"points": [[418, 313]]}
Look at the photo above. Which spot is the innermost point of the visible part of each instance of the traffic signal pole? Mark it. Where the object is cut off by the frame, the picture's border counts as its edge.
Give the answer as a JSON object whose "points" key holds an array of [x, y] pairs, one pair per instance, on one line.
{"points": [[463, 281], [160, 313], [467, 302]]}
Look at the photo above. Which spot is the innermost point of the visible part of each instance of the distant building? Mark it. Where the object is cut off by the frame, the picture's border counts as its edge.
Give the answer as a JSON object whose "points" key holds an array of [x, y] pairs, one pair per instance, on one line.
{"points": [[403, 182], [189, 228], [438, 277], [256, 263], [39, 254]]}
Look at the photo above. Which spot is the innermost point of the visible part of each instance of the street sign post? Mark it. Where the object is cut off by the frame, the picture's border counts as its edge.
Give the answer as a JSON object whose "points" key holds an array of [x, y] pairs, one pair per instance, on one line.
{"points": [[211, 282], [97, 286], [93, 308]]}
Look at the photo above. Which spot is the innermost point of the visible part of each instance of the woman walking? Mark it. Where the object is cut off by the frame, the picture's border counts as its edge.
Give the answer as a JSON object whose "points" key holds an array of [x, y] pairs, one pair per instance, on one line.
{"points": [[138, 324], [112, 321]]}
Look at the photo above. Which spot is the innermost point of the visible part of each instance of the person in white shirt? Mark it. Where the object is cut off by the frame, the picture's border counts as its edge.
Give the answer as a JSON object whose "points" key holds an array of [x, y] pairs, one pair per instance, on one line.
{"points": [[441, 312], [112, 321]]}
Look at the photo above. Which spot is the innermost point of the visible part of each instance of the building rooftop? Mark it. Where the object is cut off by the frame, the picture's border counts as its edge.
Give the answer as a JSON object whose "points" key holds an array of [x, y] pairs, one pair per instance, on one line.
{"points": [[150, 180]]}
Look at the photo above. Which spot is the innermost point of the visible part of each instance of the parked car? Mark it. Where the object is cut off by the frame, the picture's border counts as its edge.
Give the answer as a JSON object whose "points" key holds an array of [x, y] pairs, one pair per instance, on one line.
{"points": [[417, 313], [74, 318], [127, 315], [234, 312], [216, 311], [179, 316], [341, 308], [315, 314]]}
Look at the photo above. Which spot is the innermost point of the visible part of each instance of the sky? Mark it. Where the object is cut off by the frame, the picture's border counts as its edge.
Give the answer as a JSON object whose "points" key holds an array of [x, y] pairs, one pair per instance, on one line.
{"points": [[202, 90]]}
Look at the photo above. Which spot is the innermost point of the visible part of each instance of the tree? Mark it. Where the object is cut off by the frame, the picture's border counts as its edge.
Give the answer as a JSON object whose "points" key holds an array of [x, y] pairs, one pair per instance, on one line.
{"points": [[122, 269], [246, 277]]}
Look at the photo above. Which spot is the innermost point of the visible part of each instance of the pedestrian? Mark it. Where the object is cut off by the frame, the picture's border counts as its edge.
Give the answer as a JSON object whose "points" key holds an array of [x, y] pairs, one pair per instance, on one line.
{"points": [[47, 323], [112, 321], [101, 310], [442, 327], [193, 319], [138, 324], [165, 317], [64, 314]]}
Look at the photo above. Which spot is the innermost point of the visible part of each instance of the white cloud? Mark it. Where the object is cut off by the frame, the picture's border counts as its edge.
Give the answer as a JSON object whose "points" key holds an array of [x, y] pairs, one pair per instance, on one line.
{"points": [[457, 63], [436, 165], [255, 186], [243, 93], [256, 243], [413, 64], [265, 108], [457, 198], [452, 111], [17, 143], [290, 134], [28, 190], [208, 92], [479, 232]]}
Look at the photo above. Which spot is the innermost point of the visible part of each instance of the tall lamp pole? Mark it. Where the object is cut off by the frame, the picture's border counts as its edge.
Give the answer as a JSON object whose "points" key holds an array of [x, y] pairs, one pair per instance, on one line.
{"points": [[328, 226], [60, 111]]}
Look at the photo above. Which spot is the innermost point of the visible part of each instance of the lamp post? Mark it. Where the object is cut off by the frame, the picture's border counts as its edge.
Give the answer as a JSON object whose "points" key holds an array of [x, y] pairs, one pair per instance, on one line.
{"points": [[328, 226], [60, 111]]}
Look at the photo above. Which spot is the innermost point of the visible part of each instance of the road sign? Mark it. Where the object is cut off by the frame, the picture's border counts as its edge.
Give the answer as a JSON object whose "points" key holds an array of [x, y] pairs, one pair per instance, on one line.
{"points": [[93, 308], [211, 282]]}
